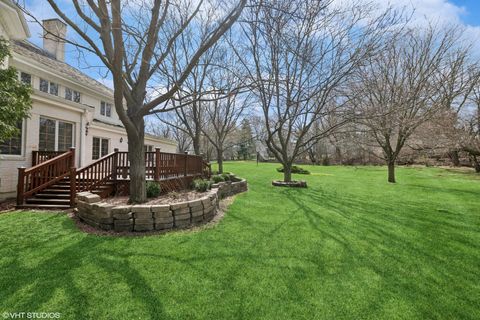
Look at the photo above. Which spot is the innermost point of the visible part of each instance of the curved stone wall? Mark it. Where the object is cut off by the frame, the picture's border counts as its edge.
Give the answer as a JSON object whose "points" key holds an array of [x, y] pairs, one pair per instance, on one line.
{"points": [[126, 218]]}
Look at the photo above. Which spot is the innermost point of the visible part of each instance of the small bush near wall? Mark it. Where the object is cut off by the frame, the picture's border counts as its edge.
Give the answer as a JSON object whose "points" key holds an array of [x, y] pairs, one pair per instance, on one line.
{"points": [[153, 189], [201, 185], [217, 179]]}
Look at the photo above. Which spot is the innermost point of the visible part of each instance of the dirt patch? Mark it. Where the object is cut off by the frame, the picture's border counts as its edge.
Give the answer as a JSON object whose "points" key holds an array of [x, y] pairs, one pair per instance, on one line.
{"points": [[169, 198], [7, 205], [223, 206]]}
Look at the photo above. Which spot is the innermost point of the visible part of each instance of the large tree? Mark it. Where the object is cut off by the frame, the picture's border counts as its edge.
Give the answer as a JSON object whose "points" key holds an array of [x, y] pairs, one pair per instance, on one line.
{"points": [[400, 88], [15, 102], [133, 40], [297, 55]]}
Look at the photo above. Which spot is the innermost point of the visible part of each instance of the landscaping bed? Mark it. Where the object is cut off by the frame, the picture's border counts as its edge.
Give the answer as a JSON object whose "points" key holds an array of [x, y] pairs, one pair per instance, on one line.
{"points": [[172, 211]]}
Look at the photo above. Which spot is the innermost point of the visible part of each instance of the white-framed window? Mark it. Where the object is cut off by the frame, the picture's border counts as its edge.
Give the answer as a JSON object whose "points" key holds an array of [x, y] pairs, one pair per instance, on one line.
{"points": [[99, 147], [48, 87], [55, 135], [148, 148], [72, 95], [13, 145], [105, 109], [43, 85], [26, 78]]}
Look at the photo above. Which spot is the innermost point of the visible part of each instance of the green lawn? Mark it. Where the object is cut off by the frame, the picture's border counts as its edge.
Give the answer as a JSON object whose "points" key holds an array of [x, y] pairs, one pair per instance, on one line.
{"points": [[351, 246]]}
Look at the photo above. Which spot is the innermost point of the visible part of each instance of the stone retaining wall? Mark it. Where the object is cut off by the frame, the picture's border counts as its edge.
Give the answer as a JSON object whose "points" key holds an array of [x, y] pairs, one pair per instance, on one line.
{"points": [[126, 218]]}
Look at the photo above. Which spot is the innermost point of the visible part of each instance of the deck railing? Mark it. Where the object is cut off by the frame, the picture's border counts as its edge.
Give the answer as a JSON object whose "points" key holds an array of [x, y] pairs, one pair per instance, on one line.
{"points": [[158, 166], [42, 156], [45, 174], [104, 172], [96, 174]]}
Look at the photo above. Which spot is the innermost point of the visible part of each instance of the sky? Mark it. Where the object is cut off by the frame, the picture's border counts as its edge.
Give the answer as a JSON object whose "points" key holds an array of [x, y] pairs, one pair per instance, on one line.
{"points": [[463, 12]]}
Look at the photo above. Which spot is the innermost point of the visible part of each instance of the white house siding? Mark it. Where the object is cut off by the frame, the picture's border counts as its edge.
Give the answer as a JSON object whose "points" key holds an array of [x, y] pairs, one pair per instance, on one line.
{"points": [[118, 139], [9, 164], [85, 116]]}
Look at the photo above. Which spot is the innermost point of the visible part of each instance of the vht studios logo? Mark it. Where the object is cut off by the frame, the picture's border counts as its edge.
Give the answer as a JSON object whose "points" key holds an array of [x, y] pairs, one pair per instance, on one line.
{"points": [[31, 315]]}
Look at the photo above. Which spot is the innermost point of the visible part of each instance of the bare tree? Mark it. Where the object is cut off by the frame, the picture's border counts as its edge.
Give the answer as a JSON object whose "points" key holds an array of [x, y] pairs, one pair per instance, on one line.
{"points": [[133, 40], [297, 55], [173, 132], [399, 88]]}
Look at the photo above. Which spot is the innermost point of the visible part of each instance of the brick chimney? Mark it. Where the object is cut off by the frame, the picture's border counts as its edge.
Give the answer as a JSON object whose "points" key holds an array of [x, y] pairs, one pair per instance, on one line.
{"points": [[54, 31]]}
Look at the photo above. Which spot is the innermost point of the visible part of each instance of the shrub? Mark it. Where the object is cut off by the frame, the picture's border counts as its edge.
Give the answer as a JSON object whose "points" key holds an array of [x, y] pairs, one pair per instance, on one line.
{"points": [[153, 189], [201, 185], [217, 179], [295, 169], [226, 176]]}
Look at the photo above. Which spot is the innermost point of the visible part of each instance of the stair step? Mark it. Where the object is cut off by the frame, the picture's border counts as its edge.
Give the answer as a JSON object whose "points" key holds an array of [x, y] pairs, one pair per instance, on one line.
{"points": [[43, 206], [59, 187], [48, 201], [56, 191], [52, 195]]}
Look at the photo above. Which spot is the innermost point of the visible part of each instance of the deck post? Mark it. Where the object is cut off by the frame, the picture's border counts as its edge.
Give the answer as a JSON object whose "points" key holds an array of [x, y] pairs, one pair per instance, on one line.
{"points": [[72, 161], [73, 185], [115, 164], [186, 159], [34, 157], [20, 185], [156, 174]]}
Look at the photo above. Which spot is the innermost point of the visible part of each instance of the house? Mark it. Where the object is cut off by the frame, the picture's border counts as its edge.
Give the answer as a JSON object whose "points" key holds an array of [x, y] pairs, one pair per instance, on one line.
{"points": [[69, 109]]}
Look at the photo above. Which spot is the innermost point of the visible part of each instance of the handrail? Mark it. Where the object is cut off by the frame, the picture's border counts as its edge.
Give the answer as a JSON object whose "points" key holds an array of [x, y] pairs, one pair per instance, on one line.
{"points": [[97, 174], [42, 156], [43, 175]]}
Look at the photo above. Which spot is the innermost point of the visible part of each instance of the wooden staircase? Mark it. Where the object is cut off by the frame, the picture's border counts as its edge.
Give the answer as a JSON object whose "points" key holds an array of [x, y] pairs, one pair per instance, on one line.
{"points": [[57, 196]]}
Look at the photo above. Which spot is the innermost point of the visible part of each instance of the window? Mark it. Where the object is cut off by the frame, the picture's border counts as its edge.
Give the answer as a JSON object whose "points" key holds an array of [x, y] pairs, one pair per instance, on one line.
{"points": [[76, 96], [48, 87], [68, 94], [47, 135], [54, 88], [106, 109], [99, 148], [13, 145], [43, 85], [26, 78], [65, 136], [148, 148], [55, 135], [72, 95]]}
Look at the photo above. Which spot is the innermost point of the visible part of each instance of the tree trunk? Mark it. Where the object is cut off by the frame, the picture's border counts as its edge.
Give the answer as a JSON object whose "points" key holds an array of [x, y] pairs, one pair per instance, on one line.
{"points": [[196, 145], [136, 155], [220, 160], [453, 155], [287, 173], [476, 163], [391, 171]]}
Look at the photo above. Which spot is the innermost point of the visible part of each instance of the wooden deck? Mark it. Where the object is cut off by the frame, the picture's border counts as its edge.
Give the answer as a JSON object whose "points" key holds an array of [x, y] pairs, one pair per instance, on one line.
{"points": [[54, 180]]}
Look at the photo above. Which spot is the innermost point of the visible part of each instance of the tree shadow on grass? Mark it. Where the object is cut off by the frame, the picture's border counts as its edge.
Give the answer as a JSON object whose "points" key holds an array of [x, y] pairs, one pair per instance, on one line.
{"points": [[60, 272], [400, 246]]}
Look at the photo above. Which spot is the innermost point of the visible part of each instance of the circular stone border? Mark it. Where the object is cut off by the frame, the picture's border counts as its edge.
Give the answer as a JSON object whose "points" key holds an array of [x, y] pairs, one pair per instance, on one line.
{"points": [[291, 184], [161, 217]]}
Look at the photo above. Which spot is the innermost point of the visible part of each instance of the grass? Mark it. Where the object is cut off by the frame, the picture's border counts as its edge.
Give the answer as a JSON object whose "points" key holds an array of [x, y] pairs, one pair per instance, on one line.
{"points": [[350, 246]]}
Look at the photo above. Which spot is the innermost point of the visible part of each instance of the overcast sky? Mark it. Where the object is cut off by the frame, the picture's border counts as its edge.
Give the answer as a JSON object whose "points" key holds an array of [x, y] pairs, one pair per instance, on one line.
{"points": [[465, 12]]}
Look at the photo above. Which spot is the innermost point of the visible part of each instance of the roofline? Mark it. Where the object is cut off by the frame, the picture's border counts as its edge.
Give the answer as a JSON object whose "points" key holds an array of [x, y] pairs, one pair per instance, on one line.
{"points": [[32, 62], [10, 6]]}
